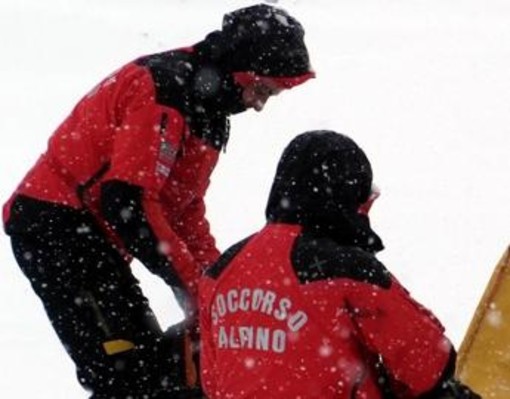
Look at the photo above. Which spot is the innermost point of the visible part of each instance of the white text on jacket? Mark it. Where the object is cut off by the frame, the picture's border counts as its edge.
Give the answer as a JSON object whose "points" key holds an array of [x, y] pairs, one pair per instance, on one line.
{"points": [[283, 320]]}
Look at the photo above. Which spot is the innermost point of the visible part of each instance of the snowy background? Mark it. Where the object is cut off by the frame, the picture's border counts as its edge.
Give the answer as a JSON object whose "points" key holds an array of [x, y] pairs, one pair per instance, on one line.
{"points": [[423, 86]]}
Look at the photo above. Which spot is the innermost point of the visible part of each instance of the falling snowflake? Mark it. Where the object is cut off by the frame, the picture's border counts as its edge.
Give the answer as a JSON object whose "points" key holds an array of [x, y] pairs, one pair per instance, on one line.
{"points": [[249, 362], [494, 317]]}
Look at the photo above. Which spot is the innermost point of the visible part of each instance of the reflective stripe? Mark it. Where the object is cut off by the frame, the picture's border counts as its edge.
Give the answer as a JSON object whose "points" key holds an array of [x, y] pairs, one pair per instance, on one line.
{"points": [[117, 346]]}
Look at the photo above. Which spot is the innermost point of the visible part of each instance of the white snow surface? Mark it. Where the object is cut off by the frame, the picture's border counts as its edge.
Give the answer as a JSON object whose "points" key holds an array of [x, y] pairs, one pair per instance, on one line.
{"points": [[422, 86]]}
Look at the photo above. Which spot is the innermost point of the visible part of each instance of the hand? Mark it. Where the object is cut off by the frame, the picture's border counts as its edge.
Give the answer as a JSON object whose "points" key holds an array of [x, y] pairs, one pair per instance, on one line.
{"points": [[454, 389]]}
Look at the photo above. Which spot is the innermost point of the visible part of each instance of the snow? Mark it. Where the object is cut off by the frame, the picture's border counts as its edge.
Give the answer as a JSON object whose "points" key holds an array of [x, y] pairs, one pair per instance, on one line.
{"points": [[423, 87]]}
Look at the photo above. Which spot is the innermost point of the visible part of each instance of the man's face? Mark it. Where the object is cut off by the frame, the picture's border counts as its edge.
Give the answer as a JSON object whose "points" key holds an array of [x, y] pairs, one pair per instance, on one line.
{"points": [[256, 94]]}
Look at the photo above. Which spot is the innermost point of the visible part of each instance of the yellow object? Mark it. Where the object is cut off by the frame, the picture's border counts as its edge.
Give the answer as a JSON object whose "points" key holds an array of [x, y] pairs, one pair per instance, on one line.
{"points": [[117, 346], [484, 357]]}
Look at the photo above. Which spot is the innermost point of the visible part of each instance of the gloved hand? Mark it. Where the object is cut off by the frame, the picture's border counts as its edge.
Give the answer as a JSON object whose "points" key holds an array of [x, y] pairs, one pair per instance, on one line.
{"points": [[454, 389]]}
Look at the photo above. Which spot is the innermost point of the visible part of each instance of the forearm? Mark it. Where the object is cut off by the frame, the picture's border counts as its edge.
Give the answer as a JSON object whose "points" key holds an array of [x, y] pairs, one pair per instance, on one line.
{"points": [[122, 205], [194, 228], [447, 387], [409, 340]]}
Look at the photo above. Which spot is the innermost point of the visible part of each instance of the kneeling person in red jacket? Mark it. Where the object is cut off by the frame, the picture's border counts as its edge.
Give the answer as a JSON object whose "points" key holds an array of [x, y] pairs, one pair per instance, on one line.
{"points": [[125, 176], [303, 308]]}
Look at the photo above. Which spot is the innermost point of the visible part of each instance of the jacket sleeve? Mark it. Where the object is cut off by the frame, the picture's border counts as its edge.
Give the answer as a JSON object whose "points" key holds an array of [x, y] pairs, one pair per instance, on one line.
{"points": [[195, 230], [409, 340], [143, 154]]}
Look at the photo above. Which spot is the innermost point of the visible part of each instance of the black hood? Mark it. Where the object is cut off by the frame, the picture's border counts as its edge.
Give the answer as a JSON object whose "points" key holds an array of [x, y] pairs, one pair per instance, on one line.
{"points": [[322, 179], [261, 39], [267, 41]]}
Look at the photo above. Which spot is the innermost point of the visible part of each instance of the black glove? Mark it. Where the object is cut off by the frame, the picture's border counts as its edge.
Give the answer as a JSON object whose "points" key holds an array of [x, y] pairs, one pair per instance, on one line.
{"points": [[454, 389]]}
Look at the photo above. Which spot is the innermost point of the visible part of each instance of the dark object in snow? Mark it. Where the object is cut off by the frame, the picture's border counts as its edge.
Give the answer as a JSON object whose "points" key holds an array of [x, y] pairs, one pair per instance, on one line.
{"points": [[124, 177]]}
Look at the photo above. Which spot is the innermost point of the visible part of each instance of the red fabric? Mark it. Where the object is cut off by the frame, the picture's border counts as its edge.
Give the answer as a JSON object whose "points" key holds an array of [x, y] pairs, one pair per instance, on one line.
{"points": [[246, 78], [321, 334], [120, 123], [364, 209]]}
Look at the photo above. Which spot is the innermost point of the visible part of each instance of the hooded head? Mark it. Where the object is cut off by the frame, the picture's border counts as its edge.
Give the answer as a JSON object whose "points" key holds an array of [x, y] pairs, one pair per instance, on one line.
{"points": [[259, 43], [267, 42], [322, 181]]}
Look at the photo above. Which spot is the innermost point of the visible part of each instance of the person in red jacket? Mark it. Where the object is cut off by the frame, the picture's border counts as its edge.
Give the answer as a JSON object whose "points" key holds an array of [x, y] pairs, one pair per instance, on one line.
{"points": [[304, 309], [124, 176]]}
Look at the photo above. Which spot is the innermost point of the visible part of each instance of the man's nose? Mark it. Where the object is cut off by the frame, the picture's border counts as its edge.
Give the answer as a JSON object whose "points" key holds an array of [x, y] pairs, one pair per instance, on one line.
{"points": [[261, 102]]}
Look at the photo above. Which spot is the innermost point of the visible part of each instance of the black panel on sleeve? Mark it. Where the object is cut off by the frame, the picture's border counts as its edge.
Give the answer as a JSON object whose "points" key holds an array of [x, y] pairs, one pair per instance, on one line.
{"points": [[121, 205]]}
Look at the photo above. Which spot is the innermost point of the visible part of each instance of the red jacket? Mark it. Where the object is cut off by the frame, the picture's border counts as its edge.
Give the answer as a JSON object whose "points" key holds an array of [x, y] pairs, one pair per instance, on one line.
{"points": [[286, 314], [134, 134]]}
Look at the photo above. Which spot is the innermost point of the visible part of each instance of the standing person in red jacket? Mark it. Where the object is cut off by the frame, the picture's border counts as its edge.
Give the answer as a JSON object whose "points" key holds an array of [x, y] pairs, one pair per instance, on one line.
{"points": [[303, 308], [124, 176]]}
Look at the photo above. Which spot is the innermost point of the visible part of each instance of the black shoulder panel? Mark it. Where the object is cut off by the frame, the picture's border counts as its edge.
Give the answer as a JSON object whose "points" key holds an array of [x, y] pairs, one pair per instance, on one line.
{"points": [[171, 73], [221, 264], [316, 259]]}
